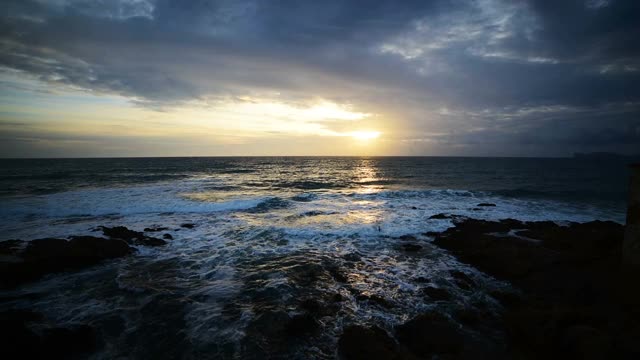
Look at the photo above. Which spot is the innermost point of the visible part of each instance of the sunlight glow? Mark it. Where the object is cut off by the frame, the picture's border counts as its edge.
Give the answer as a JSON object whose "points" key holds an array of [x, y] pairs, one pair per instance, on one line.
{"points": [[364, 135]]}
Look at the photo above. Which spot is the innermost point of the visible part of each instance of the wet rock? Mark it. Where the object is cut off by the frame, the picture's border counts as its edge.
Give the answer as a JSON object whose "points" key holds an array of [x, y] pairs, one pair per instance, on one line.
{"points": [[21, 342], [407, 238], [10, 247], [167, 237], [366, 343], [130, 236], [586, 342], [592, 239], [300, 325], [414, 208], [430, 334], [468, 315], [505, 257], [375, 299], [66, 343], [112, 325], [440, 216], [421, 279], [437, 294], [44, 256], [188, 225], [121, 232], [311, 306], [274, 333], [431, 233], [155, 229], [575, 301], [411, 247], [462, 280], [506, 298], [352, 257], [337, 274], [485, 204]]}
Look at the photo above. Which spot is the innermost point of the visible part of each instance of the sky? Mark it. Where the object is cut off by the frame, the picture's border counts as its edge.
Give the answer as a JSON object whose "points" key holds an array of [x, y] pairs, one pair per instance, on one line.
{"points": [[102, 78]]}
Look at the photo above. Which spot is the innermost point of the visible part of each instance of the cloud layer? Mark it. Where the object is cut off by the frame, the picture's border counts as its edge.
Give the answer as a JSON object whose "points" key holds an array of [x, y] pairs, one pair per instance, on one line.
{"points": [[491, 77]]}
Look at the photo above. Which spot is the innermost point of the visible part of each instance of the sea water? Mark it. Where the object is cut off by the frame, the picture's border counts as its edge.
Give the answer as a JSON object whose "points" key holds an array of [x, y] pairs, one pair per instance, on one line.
{"points": [[270, 232]]}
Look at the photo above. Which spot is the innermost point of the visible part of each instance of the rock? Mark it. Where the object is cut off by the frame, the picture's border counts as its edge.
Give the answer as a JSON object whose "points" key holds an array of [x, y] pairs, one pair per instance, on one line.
{"points": [[155, 229], [407, 237], [10, 247], [21, 342], [66, 343], [440, 216], [414, 208], [366, 343], [504, 257], [130, 236], [167, 237], [586, 342], [300, 325], [437, 294], [485, 204], [488, 246], [431, 233], [468, 315], [411, 247], [121, 232], [337, 274], [188, 225], [421, 279], [352, 257], [430, 334], [374, 299], [573, 303], [506, 298], [273, 333], [462, 280], [45, 256], [583, 240]]}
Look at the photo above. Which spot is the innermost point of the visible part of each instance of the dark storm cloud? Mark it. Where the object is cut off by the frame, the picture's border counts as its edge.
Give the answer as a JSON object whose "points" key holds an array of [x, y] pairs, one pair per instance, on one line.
{"points": [[405, 57]]}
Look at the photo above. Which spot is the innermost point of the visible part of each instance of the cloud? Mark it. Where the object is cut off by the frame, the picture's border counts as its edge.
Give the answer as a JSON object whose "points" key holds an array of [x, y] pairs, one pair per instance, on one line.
{"points": [[403, 60]]}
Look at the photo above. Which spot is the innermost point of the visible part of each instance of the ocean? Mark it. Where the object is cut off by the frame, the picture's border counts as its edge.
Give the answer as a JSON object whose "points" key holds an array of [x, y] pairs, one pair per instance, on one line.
{"points": [[270, 232]]}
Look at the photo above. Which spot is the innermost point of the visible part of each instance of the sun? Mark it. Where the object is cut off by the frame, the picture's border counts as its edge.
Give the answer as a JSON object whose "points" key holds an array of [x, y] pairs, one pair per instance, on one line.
{"points": [[364, 135]]}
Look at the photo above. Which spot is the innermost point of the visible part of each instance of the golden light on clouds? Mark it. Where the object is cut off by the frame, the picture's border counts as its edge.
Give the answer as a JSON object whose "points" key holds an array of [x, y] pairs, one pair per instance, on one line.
{"points": [[110, 124], [364, 135]]}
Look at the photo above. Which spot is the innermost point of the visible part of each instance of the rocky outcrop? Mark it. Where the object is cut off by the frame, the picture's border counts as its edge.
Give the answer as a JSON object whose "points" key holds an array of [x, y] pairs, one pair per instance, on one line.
{"points": [[25, 261], [576, 301], [431, 334], [20, 341], [367, 343], [130, 236], [570, 298]]}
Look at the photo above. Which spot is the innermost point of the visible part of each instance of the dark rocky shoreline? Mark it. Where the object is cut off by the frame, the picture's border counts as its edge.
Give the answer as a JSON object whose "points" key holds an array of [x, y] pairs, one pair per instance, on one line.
{"points": [[25, 261], [27, 333], [569, 298], [574, 302]]}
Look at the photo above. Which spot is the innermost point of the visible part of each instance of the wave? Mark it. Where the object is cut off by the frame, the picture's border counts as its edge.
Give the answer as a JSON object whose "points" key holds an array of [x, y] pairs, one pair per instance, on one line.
{"points": [[270, 204], [122, 201]]}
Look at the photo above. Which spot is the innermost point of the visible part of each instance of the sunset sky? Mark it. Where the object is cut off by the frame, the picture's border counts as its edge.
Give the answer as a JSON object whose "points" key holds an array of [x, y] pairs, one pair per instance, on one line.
{"points": [[180, 78]]}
